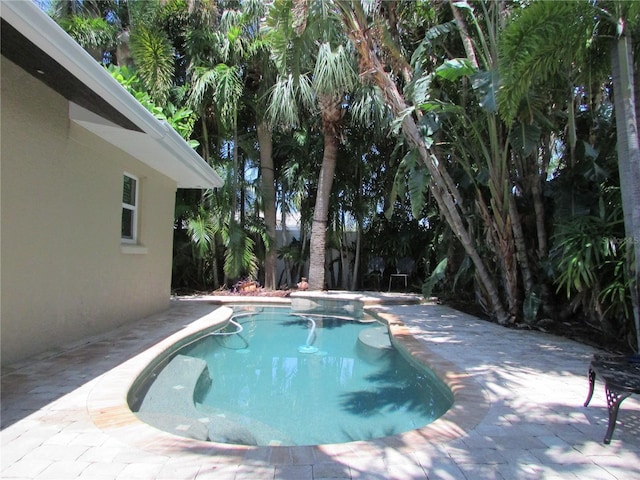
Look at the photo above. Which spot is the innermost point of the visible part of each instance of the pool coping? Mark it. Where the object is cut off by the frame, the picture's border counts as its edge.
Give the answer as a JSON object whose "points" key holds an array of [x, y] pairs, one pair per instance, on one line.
{"points": [[108, 407]]}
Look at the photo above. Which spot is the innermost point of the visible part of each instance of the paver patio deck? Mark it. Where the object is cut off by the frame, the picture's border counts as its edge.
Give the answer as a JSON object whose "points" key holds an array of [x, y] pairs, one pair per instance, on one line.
{"points": [[59, 419]]}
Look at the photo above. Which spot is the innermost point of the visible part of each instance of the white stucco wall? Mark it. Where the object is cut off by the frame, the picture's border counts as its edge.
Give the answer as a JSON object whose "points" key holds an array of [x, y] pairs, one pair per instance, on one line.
{"points": [[64, 275]]}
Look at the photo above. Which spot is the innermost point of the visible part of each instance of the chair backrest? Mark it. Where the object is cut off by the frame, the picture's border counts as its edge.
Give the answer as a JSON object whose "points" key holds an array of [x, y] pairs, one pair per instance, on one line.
{"points": [[376, 265], [405, 265]]}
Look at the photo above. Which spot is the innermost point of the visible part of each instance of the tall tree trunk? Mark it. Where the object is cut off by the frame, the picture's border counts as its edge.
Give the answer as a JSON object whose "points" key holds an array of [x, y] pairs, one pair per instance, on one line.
{"points": [[330, 106], [356, 254], [205, 137], [499, 238], [265, 142], [214, 267], [356, 259], [303, 251], [285, 243], [467, 42], [321, 212], [238, 178], [448, 207], [537, 178], [521, 245], [344, 264], [628, 160], [500, 220]]}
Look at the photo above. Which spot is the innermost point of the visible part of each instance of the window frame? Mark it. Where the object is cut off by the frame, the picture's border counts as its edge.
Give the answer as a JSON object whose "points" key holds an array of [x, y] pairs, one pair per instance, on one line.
{"points": [[132, 208]]}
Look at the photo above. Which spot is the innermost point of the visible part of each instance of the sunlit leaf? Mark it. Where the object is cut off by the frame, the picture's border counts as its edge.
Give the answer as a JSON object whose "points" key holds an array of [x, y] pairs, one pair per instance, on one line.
{"points": [[454, 69]]}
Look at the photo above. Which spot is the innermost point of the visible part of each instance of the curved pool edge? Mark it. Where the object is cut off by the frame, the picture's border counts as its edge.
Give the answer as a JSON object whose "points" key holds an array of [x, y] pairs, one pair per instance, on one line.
{"points": [[470, 400], [108, 406]]}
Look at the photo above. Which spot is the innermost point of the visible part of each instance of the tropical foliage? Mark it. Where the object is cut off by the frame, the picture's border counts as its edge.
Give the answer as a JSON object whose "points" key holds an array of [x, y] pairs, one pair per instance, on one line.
{"points": [[494, 142]]}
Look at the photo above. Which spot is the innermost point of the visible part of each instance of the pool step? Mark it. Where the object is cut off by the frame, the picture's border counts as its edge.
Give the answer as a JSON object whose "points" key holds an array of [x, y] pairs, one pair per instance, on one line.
{"points": [[373, 343], [169, 404], [376, 338]]}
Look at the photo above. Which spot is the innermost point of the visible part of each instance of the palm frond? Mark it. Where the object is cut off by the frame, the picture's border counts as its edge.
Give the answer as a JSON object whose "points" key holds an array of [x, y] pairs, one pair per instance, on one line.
{"points": [[542, 42], [70, 8], [228, 91], [201, 231], [153, 54], [90, 33], [143, 13], [369, 108], [432, 36], [203, 82], [334, 70], [286, 97], [239, 257]]}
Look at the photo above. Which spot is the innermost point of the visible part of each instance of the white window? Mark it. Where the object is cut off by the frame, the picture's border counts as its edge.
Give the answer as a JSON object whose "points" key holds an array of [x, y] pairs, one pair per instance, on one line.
{"points": [[130, 209]]}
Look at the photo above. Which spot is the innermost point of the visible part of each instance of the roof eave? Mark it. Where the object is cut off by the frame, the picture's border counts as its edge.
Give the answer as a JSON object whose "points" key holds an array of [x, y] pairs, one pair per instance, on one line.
{"points": [[47, 36]]}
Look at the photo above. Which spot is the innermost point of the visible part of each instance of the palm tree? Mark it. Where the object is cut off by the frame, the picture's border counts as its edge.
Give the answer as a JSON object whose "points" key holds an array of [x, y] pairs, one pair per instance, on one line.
{"points": [[316, 74], [226, 54], [259, 78]]}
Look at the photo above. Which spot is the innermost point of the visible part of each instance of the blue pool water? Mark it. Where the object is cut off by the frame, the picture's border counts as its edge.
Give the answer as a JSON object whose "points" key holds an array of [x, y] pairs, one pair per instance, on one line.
{"points": [[264, 390]]}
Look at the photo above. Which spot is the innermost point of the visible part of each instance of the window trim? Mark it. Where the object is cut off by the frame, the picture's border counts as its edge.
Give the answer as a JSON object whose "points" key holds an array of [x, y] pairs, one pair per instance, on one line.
{"points": [[132, 208]]}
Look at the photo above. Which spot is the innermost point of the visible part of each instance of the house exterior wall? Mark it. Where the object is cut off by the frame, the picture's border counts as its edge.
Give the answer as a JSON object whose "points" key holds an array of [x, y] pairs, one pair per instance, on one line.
{"points": [[65, 274]]}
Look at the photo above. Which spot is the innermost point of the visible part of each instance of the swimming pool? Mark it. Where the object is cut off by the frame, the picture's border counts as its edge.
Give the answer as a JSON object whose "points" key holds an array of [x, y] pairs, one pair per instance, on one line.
{"points": [[277, 377]]}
